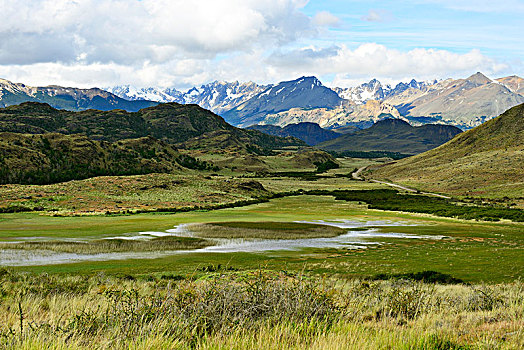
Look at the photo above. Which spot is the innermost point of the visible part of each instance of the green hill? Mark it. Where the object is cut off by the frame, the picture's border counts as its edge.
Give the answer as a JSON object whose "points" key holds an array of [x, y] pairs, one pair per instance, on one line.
{"points": [[172, 123], [52, 157], [486, 161], [393, 135], [40, 144]]}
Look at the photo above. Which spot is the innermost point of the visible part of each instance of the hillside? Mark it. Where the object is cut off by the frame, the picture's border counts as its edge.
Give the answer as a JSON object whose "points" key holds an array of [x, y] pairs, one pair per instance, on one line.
{"points": [[306, 92], [310, 133], [172, 123], [393, 135], [72, 99], [485, 161], [53, 157]]}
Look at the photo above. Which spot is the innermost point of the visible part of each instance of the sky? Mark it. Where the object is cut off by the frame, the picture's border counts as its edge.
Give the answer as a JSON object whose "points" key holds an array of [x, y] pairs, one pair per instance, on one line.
{"points": [[185, 43]]}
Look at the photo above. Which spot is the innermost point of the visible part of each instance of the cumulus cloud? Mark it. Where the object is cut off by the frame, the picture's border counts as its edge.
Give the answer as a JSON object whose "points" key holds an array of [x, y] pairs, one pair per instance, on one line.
{"points": [[376, 60], [128, 31], [182, 43], [347, 66]]}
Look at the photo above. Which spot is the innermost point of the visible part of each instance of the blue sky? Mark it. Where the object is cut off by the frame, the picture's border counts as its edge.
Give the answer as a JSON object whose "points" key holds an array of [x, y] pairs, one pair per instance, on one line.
{"points": [[181, 43], [459, 26]]}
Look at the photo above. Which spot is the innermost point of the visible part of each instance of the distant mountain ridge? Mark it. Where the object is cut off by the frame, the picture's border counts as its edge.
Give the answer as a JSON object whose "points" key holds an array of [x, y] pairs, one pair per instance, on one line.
{"points": [[393, 135], [305, 92], [465, 103], [218, 96], [72, 99]]}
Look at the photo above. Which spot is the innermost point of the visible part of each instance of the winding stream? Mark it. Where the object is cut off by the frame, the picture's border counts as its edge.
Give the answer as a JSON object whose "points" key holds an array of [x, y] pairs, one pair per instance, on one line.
{"points": [[360, 235]]}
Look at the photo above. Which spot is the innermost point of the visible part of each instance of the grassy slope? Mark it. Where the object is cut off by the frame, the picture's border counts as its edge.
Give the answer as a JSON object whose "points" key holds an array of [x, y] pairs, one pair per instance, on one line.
{"points": [[182, 189], [486, 161]]}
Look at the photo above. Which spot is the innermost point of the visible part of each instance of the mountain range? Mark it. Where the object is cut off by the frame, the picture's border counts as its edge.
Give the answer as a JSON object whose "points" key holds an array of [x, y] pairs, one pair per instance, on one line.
{"points": [[464, 103]]}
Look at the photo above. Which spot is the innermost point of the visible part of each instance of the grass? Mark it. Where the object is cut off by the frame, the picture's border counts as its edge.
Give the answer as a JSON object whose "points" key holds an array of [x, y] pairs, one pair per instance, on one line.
{"points": [[262, 309], [265, 230], [110, 194]]}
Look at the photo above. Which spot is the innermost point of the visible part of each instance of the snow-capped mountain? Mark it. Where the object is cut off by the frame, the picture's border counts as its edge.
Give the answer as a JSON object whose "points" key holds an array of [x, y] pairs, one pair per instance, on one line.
{"points": [[364, 92], [374, 90], [305, 92], [132, 93], [218, 96], [461, 102]]}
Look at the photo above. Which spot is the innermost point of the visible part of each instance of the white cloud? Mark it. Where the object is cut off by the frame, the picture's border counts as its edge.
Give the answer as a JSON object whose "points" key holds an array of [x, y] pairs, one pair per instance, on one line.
{"points": [[325, 18], [130, 31], [346, 65], [377, 16], [183, 43]]}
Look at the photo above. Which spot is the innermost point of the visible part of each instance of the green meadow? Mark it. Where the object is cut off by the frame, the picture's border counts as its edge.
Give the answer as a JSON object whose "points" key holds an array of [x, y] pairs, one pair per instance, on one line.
{"points": [[474, 251]]}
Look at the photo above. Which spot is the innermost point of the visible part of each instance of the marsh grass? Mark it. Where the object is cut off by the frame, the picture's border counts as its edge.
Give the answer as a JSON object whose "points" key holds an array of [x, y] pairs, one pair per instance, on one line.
{"points": [[112, 245], [256, 309], [265, 230]]}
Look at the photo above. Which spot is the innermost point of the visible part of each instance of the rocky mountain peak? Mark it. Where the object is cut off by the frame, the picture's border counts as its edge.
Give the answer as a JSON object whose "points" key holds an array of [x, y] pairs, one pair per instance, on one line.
{"points": [[479, 79]]}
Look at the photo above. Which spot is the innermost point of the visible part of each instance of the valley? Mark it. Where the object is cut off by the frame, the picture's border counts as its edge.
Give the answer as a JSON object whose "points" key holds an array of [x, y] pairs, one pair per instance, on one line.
{"points": [[105, 210], [269, 175]]}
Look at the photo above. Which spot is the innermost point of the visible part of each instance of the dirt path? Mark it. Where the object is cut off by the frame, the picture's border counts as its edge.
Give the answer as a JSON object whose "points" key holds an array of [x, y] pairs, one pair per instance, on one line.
{"points": [[356, 176]]}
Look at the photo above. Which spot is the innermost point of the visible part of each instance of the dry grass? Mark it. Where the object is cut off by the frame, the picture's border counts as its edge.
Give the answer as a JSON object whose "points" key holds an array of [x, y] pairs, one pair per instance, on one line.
{"points": [[112, 245], [256, 310]]}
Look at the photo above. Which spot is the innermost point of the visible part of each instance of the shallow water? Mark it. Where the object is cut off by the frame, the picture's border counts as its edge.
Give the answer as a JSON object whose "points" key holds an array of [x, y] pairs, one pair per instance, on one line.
{"points": [[353, 239]]}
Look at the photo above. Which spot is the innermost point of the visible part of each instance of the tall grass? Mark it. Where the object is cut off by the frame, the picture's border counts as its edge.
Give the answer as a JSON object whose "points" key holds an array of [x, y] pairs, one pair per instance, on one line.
{"points": [[112, 245], [255, 310], [265, 230]]}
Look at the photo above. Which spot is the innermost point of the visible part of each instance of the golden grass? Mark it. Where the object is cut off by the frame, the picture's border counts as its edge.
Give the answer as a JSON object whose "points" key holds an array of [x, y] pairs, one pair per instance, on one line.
{"points": [[256, 311]]}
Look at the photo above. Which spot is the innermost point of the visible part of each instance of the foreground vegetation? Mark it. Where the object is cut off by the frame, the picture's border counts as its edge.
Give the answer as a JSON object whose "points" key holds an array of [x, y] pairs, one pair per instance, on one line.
{"points": [[257, 309]]}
